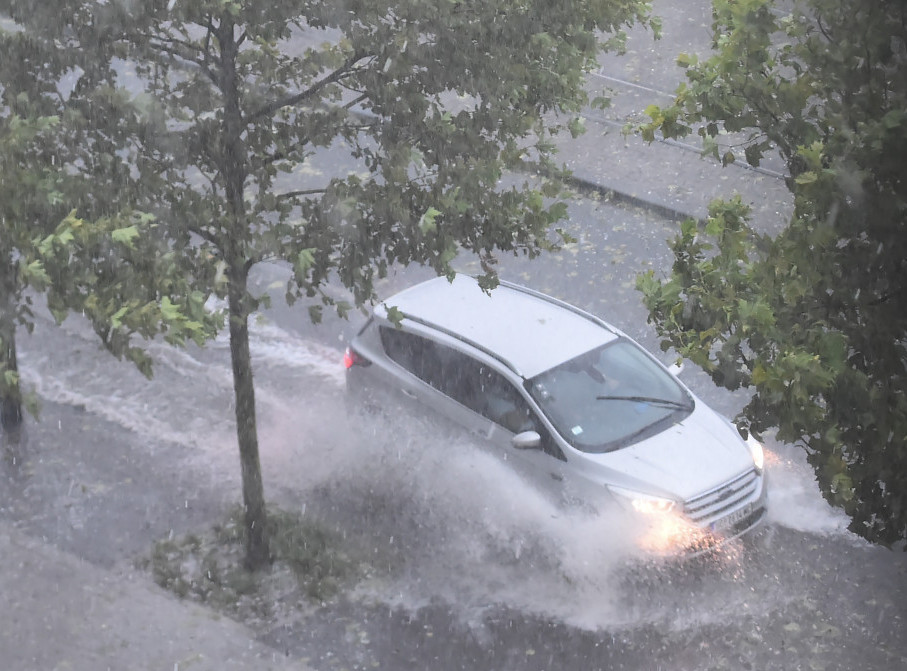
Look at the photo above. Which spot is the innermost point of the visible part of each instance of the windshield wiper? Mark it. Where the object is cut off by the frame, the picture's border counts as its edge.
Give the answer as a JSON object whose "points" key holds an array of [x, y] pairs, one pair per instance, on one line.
{"points": [[651, 400]]}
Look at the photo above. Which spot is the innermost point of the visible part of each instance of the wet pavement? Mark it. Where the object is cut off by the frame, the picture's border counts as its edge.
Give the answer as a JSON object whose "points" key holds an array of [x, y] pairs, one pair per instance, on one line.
{"points": [[61, 612], [80, 496]]}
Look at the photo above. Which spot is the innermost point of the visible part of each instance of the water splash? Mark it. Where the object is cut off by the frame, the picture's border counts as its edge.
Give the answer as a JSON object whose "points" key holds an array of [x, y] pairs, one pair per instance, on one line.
{"points": [[439, 515]]}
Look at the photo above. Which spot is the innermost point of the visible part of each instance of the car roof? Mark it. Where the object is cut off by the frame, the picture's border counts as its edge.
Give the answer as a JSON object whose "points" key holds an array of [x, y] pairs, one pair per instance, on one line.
{"points": [[527, 330]]}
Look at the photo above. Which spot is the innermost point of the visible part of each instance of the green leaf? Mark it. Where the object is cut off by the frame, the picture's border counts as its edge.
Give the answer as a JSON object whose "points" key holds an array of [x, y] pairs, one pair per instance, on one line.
{"points": [[714, 226], [427, 220], [36, 275], [576, 126], [655, 113], [600, 102], [394, 315], [753, 153], [169, 311], [304, 261], [687, 60], [10, 379], [125, 236], [116, 317], [894, 119], [759, 375], [808, 177]]}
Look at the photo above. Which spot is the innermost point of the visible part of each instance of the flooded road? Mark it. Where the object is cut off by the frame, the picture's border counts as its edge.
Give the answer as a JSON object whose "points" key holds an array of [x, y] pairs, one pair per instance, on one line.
{"points": [[471, 567]]}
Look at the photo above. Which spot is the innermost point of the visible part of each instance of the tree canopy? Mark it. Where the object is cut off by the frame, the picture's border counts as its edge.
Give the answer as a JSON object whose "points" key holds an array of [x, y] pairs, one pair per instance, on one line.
{"points": [[431, 102], [814, 319]]}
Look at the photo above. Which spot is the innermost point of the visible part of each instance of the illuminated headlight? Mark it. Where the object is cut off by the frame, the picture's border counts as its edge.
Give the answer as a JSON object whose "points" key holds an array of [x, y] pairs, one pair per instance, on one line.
{"points": [[643, 503], [757, 452]]}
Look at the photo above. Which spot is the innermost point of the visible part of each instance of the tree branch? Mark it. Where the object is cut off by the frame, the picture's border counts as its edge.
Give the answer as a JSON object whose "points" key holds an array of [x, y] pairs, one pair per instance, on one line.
{"points": [[189, 46], [355, 101], [280, 155], [296, 194], [203, 233], [206, 50], [201, 62], [295, 99], [824, 30], [169, 45]]}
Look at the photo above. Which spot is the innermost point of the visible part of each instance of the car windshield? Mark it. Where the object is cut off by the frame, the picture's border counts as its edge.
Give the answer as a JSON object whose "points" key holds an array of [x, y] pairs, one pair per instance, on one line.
{"points": [[609, 397]]}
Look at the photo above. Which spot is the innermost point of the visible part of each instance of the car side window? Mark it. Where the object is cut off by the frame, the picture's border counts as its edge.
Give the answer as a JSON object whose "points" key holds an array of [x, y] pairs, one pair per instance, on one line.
{"points": [[415, 353], [467, 381], [493, 396], [442, 367], [499, 401]]}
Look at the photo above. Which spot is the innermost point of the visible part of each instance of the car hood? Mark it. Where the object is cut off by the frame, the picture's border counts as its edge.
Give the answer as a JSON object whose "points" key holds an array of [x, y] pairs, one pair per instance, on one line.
{"points": [[691, 457]]}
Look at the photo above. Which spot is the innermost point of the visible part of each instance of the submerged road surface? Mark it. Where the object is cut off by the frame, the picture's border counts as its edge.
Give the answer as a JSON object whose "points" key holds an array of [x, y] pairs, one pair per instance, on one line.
{"points": [[471, 567]]}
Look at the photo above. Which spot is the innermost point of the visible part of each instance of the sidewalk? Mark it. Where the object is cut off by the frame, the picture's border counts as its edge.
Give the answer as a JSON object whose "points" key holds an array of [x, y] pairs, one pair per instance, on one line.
{"points": [[60, 612], [668, 179]]}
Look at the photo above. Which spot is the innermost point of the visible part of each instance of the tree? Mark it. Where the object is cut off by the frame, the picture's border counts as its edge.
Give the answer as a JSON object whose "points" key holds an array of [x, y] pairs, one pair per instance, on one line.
{"points": [[813, 320], [17, 268], [49, 156], [28, 191], [433, 101]]}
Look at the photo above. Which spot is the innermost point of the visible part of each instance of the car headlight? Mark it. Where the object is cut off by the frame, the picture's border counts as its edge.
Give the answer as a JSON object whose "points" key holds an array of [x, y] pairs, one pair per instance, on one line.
{"points": [[643, 503], [757, 452]]}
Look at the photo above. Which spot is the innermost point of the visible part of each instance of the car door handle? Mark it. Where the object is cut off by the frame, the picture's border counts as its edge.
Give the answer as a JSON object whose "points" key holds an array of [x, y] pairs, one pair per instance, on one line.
{"points": [[407, 392], [557, 476]]}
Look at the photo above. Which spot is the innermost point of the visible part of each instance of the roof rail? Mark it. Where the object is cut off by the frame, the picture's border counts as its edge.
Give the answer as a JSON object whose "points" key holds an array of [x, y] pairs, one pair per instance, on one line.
{"points": [[562, 304], [472, 343]]}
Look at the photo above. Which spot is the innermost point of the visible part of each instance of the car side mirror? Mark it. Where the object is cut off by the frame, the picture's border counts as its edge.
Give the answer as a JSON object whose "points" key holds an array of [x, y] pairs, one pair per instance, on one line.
{"points": [[527, 440]]}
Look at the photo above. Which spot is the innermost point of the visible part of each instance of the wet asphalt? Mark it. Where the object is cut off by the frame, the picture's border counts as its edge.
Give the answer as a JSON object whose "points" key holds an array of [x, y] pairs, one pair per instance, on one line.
{"points": [[91, 495]]}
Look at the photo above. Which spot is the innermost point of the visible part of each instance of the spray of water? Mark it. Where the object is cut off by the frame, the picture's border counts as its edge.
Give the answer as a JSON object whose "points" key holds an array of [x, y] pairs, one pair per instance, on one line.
{"points": [[437, 514]]}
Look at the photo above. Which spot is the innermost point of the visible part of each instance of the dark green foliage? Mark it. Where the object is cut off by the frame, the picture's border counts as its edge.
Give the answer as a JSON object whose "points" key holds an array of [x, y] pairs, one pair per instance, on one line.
{"points": [[814, 320]]}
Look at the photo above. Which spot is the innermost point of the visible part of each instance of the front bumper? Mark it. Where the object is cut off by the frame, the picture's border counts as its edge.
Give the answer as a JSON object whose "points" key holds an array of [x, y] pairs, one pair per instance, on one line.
{"points": [[726, 513]]}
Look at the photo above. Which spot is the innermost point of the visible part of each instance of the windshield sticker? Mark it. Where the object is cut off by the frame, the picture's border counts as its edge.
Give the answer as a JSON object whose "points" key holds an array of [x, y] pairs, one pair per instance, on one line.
{"points": [[576, 430]]}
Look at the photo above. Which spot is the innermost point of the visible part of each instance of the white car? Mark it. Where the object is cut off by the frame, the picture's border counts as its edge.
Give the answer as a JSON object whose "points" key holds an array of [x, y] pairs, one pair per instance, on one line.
{"points": [[565, 395]]}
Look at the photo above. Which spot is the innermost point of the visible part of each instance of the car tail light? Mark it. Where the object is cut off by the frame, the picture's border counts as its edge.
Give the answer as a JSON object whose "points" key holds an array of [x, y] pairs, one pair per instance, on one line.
{"points": [[352, 358]]}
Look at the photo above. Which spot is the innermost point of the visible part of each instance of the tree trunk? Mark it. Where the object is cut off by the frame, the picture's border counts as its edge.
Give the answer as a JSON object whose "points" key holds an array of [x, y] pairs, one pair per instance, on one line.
{"points": [[10, 398], [233, 168], [256, 537]]}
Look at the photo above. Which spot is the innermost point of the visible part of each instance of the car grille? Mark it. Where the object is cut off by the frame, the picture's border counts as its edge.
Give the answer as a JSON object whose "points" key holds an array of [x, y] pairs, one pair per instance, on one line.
{"points": [[715, 504]]}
